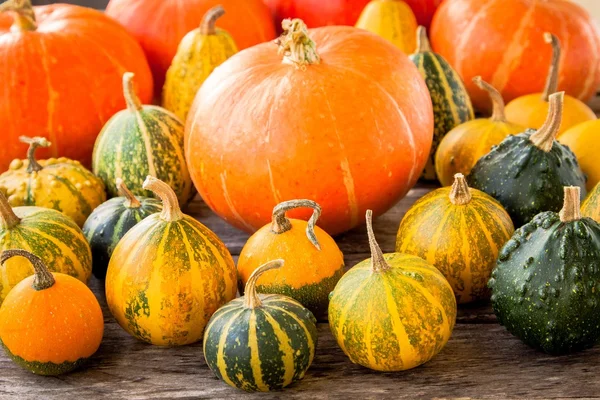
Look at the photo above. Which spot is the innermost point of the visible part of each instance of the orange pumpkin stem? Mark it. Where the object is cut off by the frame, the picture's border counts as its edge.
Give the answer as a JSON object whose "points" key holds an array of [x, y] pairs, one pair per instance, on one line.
{"points": [[171, 211], [497, 100], [281, 224], [296, 46], [460, 194], [377, 260], [544, 137], [130, 200], [131, 99], [23, 12], [34, 143], [8, 218], [251, 299], [43, 278], [571, 210], [207, 27], [423, 45], [552, 79]]}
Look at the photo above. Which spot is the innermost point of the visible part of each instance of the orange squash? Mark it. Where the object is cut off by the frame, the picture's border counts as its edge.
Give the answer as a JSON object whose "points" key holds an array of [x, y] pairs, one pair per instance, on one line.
{"points": [[584, 141], [306, 122]]}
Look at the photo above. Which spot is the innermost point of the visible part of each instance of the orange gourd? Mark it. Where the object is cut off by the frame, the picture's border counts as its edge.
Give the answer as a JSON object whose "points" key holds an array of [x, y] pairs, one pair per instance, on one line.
{"points": [[61, 68], [501, 41], [308, 121]]}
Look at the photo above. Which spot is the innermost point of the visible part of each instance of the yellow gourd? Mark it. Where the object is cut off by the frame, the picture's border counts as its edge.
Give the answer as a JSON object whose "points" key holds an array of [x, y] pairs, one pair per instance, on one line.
{"points": [[584, 141], [591, 206]]}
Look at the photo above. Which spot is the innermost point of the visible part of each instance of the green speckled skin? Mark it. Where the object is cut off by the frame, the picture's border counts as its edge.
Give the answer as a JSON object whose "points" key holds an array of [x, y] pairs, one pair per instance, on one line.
{"points": [[525, 179], [546, 285]]}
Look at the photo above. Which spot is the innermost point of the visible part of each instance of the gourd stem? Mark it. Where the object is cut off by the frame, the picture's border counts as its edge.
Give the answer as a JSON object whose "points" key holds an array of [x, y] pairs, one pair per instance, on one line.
{"points": [[43, 278], [23, 12], [207, 27], [131, 99], [251, 299], [571, 210], [8, 218], [296, 46], [552, 79], [34, 143], [460, 194], [423, 45], [378, 263], [171, 211], [130, 200], [281, 224], [544, 137], [497, 100]]}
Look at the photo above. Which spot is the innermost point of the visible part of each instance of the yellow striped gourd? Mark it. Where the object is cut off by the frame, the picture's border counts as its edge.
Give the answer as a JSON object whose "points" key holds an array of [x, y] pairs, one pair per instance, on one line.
{"points": [[591, 206]]}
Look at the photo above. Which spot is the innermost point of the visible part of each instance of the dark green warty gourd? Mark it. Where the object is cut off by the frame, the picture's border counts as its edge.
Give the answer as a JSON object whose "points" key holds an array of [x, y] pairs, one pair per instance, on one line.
{"points": [[546, 284], [526, 173]]}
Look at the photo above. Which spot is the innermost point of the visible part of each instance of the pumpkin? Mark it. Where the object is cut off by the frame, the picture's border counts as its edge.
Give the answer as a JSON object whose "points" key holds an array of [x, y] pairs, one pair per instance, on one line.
{"points": [[546, 284], [59, 183], [526, 173], [260, 342], [392, 20], [268, 126], [248, 21], [79, 55], [391, 312], [464, 145], [168, 275], [50, 323], [531, 110], [501, 41], [451, 103], [108, 223], [591, 206], [460, 231], [199, 53], [313, 261], [142, 140], [48, 234], [584, 141]]}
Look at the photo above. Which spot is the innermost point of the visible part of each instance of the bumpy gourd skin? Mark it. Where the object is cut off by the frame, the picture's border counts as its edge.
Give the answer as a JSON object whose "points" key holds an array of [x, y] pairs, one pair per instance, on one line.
{"points": [[546, 284], [525, 179]]}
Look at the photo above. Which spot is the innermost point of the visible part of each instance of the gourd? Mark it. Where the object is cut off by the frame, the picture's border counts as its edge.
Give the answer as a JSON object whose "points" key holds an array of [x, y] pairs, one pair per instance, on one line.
{"points": [[59, 183], [139, 141], [373, 310], [199, 53], [500, 41], [526, 172], [260, 342], [168, 275], [464, 145], [530, 110], [108, 223], [460, 231], [50, 323], [313, 261], [79, 54], [248, 21], [344, 112], [451, 103], [584, 142], [545, 286], [591, 206], [392, 20]]}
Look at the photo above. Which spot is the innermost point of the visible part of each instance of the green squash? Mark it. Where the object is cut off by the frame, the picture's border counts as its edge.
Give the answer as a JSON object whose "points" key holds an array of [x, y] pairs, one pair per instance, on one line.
{"points": [[526, 173], [260, 342], [546, 285], [111, 221], [139, 141], [451, 102]]}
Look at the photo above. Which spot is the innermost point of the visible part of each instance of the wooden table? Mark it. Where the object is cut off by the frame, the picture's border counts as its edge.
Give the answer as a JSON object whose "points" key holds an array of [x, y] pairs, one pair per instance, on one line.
{"points": [[481, 360]]}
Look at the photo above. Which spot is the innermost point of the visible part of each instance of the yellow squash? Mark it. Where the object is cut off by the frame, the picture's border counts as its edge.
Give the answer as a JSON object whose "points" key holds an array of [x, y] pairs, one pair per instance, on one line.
{"points": [[392, 20], [591, 206], [198, 54], [584, 141]]}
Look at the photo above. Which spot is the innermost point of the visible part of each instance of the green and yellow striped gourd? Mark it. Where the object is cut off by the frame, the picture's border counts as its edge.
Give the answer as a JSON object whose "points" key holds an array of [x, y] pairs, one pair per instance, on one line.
{"points": [[591, 206]]}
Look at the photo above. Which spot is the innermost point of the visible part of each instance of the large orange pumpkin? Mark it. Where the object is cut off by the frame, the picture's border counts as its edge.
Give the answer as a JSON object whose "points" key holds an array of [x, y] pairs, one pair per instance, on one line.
{"points": [[337, 115], [159, 25], [502, 41], [61, 69]]}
